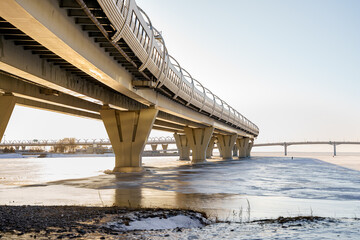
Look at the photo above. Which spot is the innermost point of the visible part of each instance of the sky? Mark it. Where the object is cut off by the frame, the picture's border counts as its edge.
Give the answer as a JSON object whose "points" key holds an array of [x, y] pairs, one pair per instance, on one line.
{"points": [[291, 67]]}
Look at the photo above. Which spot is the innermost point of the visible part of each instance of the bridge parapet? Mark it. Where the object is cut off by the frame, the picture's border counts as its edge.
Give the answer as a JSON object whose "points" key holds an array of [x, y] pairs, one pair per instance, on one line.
{"points": [[132, 24]]}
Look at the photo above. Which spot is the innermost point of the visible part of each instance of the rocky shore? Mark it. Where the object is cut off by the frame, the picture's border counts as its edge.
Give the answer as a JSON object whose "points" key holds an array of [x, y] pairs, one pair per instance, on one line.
{"points": [[67, 222], [74, 222]]}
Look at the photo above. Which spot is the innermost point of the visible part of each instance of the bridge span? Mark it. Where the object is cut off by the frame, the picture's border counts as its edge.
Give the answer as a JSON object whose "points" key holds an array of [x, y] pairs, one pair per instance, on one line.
{"points": [[104, 59], [286, 144]]}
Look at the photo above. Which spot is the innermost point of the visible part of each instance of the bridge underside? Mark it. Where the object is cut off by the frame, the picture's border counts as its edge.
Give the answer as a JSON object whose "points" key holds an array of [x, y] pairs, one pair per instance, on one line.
{"points": [[67, 67]]}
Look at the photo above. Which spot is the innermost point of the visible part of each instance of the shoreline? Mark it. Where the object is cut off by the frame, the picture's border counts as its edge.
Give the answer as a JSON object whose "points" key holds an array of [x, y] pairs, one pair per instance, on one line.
{"points": [[350, 160], [58, 222], [77, 221], [67, 222]]}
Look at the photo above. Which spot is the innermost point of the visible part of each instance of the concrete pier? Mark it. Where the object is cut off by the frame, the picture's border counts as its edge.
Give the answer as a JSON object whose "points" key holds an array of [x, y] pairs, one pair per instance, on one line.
{"points": [[154, 147], [235, 151], [128, 132], [183, 146], [249, 147], [199, 139], [226, 144], [7, 104], [209, 150], [242, 144]]}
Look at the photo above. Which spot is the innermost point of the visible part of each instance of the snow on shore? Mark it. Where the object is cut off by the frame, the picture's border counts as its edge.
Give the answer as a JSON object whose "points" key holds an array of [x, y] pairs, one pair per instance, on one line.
{"points": [[157, 220], [157, 223]]}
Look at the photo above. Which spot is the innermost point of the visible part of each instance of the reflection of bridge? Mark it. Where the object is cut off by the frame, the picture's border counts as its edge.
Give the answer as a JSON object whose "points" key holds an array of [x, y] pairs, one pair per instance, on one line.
{"points": [[286, 144], [103, 59]]}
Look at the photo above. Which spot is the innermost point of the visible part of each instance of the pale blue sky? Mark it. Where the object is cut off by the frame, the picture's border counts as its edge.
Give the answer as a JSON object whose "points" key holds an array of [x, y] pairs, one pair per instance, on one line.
{"points": [[292, 67]]}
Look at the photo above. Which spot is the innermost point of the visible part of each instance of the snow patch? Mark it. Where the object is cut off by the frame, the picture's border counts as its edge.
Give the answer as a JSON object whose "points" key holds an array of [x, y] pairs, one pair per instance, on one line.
{"points": [[157, 223]]}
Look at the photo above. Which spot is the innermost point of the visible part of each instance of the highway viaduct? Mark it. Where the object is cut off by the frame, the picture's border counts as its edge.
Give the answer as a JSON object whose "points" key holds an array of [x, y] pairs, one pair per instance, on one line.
{"points": [[105, 60]]}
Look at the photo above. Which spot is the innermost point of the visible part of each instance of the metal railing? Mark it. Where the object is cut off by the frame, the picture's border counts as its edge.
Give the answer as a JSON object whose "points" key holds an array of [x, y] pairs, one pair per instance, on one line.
{"points": [[135, 19]]}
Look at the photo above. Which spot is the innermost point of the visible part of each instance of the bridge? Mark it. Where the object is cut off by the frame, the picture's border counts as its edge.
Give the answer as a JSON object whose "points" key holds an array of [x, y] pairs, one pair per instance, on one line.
{"points": [[104, 59], [153, 141], [164, 142], [286, 144], [78, 142], [17, 144]]}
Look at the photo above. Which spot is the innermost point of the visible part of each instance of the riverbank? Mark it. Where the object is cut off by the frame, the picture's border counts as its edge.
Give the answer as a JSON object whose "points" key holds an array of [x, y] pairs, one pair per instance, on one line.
{"points": [[65, 222], [69, 222]]}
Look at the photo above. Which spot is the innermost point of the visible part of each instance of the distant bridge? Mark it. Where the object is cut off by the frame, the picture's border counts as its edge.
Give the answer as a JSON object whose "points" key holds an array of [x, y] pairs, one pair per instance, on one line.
{"points": [[154, 141], [286, 144], [77, 142]]}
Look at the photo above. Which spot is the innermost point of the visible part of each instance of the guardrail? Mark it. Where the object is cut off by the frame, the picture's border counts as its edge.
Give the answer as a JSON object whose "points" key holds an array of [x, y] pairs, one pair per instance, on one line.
{"points": [[133, 24], [286, 144]]}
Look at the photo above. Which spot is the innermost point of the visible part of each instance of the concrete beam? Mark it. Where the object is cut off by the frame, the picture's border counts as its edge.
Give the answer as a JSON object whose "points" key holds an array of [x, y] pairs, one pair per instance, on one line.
{"points": [[55, 108], [16, 61], [158, 124], [30, 91]]}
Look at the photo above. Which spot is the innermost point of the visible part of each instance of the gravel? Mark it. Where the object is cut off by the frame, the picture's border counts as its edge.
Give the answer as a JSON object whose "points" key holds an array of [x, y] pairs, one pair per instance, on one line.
{"points": [[66, 222]]}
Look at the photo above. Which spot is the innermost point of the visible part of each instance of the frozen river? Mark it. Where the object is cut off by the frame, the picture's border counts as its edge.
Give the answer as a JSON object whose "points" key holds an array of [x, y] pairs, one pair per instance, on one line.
{"points": [[256, 188], [234, 190]]}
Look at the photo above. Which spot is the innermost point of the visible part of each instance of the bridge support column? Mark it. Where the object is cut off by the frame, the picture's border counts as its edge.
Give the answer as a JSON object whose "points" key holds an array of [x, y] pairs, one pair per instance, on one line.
{"points": [[128, 132], [154, 147], [285, 149], [7, 104], [334, 149], [250, 145], [182, 145], [210, 148], [235, 151], [199, 139], [226, 144], [242, 144], [164, 146]]}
